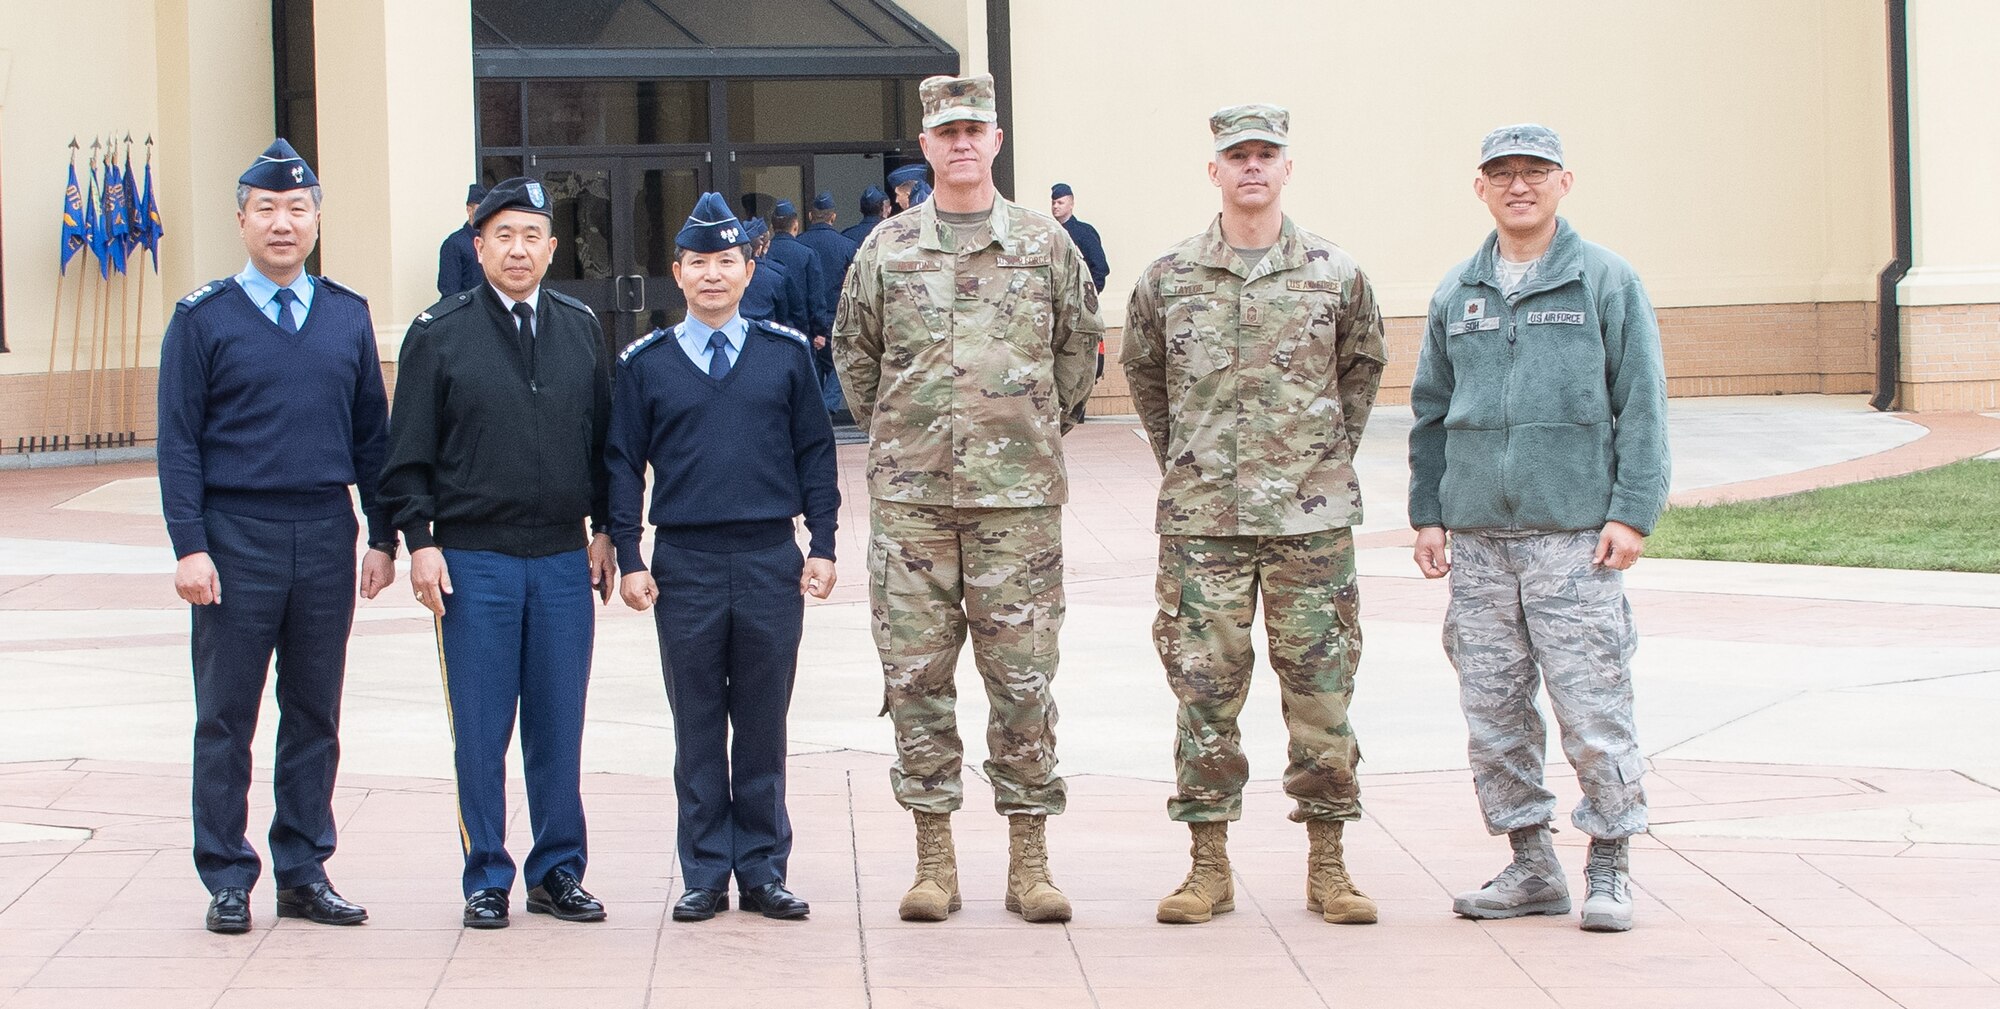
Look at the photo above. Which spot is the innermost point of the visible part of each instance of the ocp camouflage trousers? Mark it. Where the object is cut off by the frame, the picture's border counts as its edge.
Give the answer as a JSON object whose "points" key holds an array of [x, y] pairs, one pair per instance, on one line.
{"points": [[937, 575], [1207, 592], [1533, 609]]}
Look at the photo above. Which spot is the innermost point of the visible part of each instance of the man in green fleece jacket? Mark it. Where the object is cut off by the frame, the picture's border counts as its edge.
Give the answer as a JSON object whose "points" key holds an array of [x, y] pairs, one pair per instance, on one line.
{"points": [[1541, 446]]}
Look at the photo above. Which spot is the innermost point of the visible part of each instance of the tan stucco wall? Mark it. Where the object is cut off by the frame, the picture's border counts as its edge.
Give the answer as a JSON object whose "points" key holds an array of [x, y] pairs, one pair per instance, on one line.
{"points": [[196, 75], [395, 104], [1735, 153]]}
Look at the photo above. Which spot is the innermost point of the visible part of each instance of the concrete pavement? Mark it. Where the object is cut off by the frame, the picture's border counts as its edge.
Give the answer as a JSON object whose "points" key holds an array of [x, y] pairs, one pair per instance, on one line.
{"points": [[1827, 794]]}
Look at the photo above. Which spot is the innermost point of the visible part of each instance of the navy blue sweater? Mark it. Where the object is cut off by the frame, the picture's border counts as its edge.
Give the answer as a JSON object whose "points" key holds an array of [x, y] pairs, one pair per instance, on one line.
{"points": [[260, 422], [733, 461]]}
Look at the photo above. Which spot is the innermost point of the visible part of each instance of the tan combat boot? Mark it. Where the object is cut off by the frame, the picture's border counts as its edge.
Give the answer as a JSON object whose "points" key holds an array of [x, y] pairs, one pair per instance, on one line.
{"points": [[934, 895], [1328, 890], [1030, 892], [1208, 890]]}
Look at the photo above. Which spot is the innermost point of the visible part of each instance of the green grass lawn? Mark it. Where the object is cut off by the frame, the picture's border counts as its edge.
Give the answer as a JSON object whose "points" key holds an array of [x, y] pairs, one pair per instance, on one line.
{"points": [[1946, 519]]}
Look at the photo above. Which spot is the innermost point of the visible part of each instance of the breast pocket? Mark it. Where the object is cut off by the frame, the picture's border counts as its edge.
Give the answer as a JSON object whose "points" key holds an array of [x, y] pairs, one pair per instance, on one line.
{"points": [[1025, 299], [1194, 345], [914, 305], [1310, 345]]}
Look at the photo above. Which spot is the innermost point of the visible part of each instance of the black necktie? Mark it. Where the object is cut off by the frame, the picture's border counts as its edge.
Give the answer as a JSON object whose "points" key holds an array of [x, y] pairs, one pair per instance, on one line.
{"points": [[526, 313], [285, 297], [718, 355]]}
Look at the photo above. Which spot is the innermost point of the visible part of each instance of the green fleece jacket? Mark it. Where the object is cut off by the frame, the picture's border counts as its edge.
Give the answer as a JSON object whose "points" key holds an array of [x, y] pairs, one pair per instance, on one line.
{"points": [[1543, 411]]}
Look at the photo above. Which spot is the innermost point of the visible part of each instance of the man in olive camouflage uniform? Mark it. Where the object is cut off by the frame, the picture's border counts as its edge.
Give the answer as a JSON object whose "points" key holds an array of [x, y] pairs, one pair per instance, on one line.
{"points": [[966, 335], [1253, 352], [1540, 450]]}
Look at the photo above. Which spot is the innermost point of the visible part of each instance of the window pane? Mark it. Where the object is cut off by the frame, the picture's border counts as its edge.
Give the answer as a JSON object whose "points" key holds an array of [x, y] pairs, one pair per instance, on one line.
{"points": [[499, 113], [493, 168], [575, 113], [580, 202], [817, 111], [764, 185], [661, 203]]}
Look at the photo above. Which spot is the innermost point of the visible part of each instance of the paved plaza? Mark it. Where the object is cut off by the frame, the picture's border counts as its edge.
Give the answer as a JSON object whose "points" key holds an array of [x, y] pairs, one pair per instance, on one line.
{"points": [[1824, 777]]}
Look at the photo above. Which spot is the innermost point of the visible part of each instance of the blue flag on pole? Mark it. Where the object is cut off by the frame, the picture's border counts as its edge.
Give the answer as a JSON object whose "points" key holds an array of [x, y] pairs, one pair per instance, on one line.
{"points": [[114, 222], [93, 229], [149, 228], [72, 221], [133, 229]]}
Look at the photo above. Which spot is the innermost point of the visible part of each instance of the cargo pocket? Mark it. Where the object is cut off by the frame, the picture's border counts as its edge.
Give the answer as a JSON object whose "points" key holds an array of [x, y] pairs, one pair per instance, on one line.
{"points": [[1043, 580], [1167, 583], [878, 605]]}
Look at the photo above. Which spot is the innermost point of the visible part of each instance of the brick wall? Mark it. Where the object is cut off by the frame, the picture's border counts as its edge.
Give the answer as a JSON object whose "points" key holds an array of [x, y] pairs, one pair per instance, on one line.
{"points": [[1951, 358]]}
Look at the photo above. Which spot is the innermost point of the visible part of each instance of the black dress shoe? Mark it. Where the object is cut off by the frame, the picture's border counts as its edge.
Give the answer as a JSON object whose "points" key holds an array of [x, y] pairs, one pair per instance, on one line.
{"points": [[700, 905], [775, 901], [229, 911], [562, 895], [486, 908], [316, 902]]}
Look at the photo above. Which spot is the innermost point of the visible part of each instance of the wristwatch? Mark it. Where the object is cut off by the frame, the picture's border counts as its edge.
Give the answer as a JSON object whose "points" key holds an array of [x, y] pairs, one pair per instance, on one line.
{"points": [[386, 546]]}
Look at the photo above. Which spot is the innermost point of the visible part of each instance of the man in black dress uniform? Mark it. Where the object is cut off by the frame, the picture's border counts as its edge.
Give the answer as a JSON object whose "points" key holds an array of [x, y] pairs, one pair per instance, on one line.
{"points": [[458, 261], [727, 412], [270, 406], [503, 395], [872, 200]]}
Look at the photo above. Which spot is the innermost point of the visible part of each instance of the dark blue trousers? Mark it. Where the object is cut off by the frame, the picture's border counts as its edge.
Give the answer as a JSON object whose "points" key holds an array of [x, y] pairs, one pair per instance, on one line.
{"points": [[516, 636], [287, 589], [729, 628]]}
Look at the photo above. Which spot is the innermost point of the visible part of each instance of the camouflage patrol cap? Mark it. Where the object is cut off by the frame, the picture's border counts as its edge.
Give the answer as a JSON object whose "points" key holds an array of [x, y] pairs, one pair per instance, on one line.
{"points": [[1531, 139], [1238, 123], [949, 98]]}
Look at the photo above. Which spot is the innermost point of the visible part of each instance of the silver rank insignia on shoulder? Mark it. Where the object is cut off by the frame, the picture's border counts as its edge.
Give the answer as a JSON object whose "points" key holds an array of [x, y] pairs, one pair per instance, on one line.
{"points": [[423, 317], [196, 296]]}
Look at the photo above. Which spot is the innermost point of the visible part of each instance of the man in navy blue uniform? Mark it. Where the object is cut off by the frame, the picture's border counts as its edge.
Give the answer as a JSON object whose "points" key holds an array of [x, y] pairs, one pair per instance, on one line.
{"points": [[458, 261], [835, 252], [270, 406], [909, 186], [1062, 206], [503, 397], [798, 260], [769, 294], [872, 200], [727, 412]]}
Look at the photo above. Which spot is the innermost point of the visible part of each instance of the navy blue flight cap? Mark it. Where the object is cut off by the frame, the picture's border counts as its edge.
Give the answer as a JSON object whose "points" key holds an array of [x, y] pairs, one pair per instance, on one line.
{"points": [[711, 227], [784, 208], [907, 173], [755, 229], [872, 199], [823, 201], [513, 194], [279, 169], [474, 193], [1060, 190], [920, 193]]}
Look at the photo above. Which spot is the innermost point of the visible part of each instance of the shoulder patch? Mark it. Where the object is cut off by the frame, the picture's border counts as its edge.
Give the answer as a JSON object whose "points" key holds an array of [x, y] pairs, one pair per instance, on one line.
{"points": [[203, 293], [334, 285], [632, 349], [571, 302], [784, 331], [443, 308]]}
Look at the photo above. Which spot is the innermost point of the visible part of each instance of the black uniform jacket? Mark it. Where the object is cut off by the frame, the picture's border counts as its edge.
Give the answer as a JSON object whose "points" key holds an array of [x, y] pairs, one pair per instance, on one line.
{"points": [[495, 442]]}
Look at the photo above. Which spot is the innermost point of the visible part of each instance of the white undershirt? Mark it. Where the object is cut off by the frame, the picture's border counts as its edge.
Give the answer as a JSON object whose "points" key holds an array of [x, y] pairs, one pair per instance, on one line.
{"points": [[1512, 273]]}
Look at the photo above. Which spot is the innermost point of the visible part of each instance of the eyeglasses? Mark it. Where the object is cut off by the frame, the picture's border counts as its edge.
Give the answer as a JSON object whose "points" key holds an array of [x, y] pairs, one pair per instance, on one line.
{"points": [[1531, 176]]}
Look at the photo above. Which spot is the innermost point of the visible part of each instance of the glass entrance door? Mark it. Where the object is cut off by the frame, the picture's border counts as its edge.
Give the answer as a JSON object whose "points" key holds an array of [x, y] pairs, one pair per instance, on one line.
{"points": [[615, 218]]}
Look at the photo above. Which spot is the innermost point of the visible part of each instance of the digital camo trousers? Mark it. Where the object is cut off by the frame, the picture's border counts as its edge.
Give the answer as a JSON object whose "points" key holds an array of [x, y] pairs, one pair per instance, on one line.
{"points": [[1531, 609], [936, 575], [1207, 591]]}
